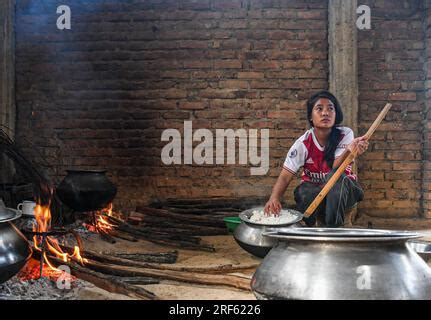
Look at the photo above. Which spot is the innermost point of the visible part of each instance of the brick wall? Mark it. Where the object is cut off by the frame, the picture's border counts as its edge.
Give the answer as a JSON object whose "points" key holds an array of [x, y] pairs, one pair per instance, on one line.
{"points": [[391, 70], [100, 94]]}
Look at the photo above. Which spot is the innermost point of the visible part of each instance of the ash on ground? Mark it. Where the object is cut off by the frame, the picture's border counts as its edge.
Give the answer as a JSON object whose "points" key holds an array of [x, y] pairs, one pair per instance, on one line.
{"points": [[40, 289]]}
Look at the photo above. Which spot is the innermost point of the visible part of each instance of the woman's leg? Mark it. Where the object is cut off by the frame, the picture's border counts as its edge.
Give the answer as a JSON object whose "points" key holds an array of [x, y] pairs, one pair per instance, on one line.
{"points": [[304, 195], [343, 195]]}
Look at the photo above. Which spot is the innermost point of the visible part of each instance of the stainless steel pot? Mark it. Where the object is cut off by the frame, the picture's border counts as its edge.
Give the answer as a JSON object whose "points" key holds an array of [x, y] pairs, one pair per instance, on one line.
{"points": [[422, 248], [249, 235], [340, 264], [15, 250]]}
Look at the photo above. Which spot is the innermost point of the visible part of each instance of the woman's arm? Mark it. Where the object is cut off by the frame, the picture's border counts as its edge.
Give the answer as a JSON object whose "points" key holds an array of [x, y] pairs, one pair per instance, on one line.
{"points": [[273, 205], [358, 145], [338, 161]]}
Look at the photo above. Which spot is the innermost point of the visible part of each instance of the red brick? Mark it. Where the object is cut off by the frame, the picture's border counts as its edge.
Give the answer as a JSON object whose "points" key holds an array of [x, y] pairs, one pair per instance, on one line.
{"points": [[234, 84], [407, 166], [227, 64], [402, 96], [195, 105], [250, 75], [265, 64]]}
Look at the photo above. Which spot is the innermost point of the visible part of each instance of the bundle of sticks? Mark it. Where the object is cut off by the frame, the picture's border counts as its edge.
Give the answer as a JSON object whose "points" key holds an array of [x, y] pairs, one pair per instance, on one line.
{"points": [[168, 237], [126, 273], [181, 223], [201, 217]]}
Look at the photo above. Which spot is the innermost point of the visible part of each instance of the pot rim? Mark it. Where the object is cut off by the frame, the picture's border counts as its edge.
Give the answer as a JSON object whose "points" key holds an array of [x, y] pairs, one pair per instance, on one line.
{"points": [[17, 214], [341, 234]]}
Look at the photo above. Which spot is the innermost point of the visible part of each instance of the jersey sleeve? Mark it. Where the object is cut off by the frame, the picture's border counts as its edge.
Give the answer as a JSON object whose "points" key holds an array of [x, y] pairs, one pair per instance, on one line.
{"points": [[347, 139], [295, 158]]}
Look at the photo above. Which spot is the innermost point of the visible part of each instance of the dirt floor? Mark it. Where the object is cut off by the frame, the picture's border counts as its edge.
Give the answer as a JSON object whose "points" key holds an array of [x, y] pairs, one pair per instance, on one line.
{"points": [[227, 252]]}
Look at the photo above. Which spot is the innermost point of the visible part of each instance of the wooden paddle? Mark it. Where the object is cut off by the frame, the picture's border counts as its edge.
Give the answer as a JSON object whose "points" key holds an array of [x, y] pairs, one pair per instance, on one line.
{"points": [[328, 186]]}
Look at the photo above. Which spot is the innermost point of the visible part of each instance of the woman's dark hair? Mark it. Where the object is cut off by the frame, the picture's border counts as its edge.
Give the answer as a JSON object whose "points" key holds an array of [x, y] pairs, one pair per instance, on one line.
{"points": [[335, 135]]}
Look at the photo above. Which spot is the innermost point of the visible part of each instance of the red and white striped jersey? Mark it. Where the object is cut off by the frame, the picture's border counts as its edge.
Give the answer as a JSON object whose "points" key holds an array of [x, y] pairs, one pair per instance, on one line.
{"points": [[306, 152]]}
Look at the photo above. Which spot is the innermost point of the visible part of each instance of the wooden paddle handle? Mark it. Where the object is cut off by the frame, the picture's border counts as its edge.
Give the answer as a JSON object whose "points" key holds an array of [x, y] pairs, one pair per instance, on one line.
{"points": [[328, 186]]}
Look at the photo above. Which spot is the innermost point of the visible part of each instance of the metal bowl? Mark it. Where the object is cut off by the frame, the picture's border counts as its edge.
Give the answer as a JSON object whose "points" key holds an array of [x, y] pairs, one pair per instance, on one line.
{"points": [[422, 248], [250, 235]]}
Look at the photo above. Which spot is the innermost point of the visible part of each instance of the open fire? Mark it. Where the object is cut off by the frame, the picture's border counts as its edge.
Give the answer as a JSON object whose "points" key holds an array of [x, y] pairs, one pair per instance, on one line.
{"points": [[44, 242], [104, 221]]}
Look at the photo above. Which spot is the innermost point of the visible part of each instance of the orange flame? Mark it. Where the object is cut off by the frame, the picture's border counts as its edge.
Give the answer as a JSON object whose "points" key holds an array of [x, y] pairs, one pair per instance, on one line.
{"points": [[102, 223], [43, 224]]}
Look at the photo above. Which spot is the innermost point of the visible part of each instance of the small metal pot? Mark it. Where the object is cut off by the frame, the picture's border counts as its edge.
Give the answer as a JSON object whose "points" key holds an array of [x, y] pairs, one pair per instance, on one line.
{"points": [[340, 264], [15, 250], [250, 235]]}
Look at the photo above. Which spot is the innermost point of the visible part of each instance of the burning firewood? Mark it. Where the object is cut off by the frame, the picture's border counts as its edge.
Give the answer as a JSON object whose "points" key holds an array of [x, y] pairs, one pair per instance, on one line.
{"points": [[109, 283]]}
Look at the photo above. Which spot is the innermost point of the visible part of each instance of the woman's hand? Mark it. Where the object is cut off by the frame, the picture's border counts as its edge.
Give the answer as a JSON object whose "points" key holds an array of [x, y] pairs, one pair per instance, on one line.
{"points": [[358, 145], [273, 206]]}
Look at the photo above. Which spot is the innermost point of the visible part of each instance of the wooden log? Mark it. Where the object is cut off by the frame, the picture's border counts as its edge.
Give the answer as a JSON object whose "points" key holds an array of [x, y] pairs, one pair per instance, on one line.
{"points": [[160, 257], [180, 217], [162, 232], [122, 235], [182, 245], [106, 282], [199, 211], [228, 268], [161, 236], [105, 236], [140, 280], [181, 276], [158, 234], [196, 230], [166, 239]]}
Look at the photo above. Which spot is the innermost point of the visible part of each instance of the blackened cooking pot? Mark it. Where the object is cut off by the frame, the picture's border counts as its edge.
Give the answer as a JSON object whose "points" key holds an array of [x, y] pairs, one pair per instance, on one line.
{"points": [[15, 250], [86, 190], [340, 264]]}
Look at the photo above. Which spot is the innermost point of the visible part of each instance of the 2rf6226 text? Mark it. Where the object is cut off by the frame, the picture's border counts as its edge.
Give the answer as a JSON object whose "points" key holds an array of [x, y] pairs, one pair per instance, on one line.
{"points": [[229, 309]]}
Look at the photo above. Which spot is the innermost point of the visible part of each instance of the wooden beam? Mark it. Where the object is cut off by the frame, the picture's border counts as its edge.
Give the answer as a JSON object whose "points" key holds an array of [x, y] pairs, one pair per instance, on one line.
{"points": [[7, 81], [343, 63], [343, 58], [426, 124]]}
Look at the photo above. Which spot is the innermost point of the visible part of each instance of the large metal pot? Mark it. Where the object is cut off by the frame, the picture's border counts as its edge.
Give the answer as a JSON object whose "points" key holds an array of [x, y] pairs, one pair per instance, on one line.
{"points": [[339, 264], [86, 190], [15, 250], [250, 235]]}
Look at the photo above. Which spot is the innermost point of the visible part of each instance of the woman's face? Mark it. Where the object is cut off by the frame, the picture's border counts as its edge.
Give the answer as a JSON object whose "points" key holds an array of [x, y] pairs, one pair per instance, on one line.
{"points": [[323, 114]]}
